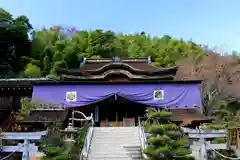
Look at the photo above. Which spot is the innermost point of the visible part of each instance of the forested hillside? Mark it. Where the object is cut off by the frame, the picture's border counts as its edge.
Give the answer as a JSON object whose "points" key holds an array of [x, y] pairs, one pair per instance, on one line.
{"points": [[57, 46], [26, 52]]}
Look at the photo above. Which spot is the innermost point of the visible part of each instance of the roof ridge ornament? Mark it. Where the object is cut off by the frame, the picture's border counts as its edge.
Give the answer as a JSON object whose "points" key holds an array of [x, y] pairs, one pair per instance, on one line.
{"points": [[116, 59], [83, 62], [149, 60]]}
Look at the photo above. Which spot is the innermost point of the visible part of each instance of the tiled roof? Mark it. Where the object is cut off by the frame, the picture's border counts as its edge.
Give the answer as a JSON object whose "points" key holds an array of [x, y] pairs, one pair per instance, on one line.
{"points": [[45, 116], [22, 82], [96, 66], [100, 67], [188, 115], [136, 65]]}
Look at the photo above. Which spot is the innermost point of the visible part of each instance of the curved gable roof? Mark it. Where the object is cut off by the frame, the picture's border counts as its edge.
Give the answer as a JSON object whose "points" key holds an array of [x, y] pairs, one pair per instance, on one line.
{"points": [[99, 66]]}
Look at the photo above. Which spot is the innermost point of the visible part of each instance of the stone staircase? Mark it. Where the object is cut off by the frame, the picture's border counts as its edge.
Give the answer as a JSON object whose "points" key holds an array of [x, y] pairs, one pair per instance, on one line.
{"points": [[237, 152], [115, 143]]}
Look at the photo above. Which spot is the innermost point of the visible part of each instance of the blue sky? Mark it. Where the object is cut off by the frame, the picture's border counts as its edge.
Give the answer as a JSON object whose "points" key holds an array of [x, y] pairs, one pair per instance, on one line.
{"points": [[211, 22]]}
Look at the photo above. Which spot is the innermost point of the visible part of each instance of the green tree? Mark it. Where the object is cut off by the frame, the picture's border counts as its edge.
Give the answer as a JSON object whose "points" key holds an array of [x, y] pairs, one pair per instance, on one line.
{"points": [[52, 48], [32, 71], [62, 47], [166, 140], [14, 43]]}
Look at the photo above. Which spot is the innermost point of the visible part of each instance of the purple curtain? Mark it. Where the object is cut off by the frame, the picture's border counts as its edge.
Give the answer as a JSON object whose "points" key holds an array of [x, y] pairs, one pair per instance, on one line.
{"points": [[175, 95]]}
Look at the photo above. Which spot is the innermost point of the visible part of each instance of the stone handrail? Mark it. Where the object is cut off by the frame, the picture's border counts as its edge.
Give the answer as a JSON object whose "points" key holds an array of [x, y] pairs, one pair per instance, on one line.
{"points": [[143, 138], [194, 131], [86, 146], [88, 138]]}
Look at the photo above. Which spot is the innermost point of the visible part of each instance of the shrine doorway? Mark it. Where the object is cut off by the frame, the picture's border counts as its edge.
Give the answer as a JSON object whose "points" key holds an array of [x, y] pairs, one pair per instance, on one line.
{"points": [[115, 112]]}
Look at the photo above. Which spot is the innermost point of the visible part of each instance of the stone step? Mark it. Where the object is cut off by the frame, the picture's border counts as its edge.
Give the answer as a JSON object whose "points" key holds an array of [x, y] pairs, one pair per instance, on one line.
{"points": [[107, 157], [115, 158], [116, 147], [115, 143], [115, 138], [109, 132], [116, 129], [117, 133], [113, 128], [116, 153], [111, 157], [111, 150]]}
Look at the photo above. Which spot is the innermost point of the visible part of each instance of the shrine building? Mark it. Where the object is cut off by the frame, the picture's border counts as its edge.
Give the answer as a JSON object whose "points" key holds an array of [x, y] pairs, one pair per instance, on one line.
{"points": [[116, 91]]}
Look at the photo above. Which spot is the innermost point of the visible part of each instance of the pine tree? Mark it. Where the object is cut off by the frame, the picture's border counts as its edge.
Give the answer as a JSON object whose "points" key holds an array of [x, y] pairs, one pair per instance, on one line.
{"points": [[166, 140]]}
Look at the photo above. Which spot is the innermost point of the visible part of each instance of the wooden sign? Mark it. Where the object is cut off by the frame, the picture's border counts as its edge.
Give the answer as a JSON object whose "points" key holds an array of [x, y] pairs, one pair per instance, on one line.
{"points": [[111, 124], [128, 122], [34, 158]]}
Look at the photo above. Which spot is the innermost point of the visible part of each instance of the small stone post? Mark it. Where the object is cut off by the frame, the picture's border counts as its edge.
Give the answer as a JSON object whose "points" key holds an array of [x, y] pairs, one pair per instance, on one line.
{"points": [[203, 149], [25, 154]]}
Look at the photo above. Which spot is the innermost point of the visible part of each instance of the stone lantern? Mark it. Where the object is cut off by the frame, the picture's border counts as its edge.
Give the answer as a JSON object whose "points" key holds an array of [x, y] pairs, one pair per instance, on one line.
{"points": [[69, 133], [69, 136]]}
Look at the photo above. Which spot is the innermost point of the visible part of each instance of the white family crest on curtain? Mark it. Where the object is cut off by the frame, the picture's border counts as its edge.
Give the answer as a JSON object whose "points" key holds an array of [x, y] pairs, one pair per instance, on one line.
{"points": [[71, 96], [158, 94]]}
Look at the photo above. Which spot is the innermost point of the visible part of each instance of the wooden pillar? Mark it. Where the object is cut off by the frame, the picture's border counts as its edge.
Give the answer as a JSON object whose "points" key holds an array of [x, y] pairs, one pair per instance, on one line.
{"points": [[233, 138], [73, 117], [238, 138]]}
